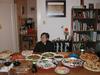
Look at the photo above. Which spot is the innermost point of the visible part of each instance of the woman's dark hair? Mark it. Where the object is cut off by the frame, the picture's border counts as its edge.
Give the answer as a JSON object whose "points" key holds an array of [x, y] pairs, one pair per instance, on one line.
{"points": [[46, 34]]}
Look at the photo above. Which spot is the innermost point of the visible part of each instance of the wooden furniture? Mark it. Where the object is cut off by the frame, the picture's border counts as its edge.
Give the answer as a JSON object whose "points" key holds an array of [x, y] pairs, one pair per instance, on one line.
{"points": [[73, 71], [76, 71], [27, 40], [27, 35], [85, 27]]}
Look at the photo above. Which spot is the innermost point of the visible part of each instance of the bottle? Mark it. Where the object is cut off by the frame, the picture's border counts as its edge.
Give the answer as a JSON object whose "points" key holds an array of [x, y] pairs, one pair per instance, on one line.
{"points": [[34, 67], [82, 48]]}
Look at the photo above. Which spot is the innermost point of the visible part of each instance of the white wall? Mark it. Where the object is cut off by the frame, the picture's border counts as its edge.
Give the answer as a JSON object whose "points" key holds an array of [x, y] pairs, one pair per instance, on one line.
{"points": [[31, 13], [95, 2], [53, 25], [8, 35]]}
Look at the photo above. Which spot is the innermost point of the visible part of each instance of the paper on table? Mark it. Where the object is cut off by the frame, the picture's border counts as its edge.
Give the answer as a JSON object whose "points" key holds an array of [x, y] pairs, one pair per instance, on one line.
{"points": [[6, 68]]}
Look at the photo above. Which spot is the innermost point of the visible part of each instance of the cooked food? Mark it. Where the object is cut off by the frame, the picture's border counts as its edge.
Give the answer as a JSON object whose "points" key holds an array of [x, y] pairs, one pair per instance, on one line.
{"points": [[88, 56], [62, 70], [5, 54], [46, 64], [17, 56], [58, 56], [34, 57], [72, 62], [27, 53], [92, 66], [48, 55]]}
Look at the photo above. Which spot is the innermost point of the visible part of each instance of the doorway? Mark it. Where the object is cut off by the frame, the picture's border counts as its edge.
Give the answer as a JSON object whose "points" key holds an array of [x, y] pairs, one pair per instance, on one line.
{"points": [[26, 21]]}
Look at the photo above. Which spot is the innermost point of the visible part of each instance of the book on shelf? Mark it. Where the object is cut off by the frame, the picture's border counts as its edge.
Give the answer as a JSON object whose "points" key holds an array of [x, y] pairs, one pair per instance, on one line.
{"points": [[92, 36], [79, 26], [84, 14]]}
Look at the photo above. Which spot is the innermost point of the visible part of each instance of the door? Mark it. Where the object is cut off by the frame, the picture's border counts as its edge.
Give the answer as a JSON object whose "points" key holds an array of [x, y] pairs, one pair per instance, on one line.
{"points": [[7, 30]]}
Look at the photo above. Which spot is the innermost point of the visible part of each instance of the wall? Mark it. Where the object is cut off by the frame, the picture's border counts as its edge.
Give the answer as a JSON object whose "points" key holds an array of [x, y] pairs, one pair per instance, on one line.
{"points": [[53, 25], [8, 39], [95, 2]]}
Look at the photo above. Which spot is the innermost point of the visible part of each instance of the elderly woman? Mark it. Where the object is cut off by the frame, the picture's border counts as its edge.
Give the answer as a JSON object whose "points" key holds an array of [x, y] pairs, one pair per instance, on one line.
{"points": [[44, 45]]}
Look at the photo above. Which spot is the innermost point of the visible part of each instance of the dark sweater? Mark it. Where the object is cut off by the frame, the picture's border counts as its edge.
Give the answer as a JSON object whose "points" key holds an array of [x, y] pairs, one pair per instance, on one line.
{"points": [[40, 47]]}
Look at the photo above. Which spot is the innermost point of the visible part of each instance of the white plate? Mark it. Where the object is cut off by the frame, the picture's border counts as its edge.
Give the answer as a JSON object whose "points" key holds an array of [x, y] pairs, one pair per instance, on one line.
{"points": [[46, 64], [27, 53], [62, 70], [72, 62], [47, 55]]}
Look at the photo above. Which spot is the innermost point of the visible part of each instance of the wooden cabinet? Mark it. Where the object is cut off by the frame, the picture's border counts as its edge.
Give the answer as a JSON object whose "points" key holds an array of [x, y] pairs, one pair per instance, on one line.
{"points": [[85, 28]]}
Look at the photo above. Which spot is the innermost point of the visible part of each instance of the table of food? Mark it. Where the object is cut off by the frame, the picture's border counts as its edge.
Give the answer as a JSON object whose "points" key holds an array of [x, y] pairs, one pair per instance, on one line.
{"points": [[48, 63]]}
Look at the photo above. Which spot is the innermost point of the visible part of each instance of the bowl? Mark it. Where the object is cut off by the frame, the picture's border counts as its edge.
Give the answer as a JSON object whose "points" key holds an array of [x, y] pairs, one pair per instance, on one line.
{"points": [[74, 55], [58, 57], [16, 63], [62, 70], [7, 63]]}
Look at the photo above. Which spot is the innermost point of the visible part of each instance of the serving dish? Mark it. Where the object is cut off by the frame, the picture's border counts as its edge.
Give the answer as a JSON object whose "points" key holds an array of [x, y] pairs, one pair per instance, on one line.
{"points": [[72, 62], [92, 66], [34, 57], [62, 70], [46, 64], [48, 55]]}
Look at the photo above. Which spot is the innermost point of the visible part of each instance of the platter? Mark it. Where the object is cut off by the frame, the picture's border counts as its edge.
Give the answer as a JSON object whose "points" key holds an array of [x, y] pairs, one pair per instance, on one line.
{"points": [[89, 56], [48, 55], [62, 70], [34, 57], [95, 67], [46, 64], [72, 62], [27, 53]]}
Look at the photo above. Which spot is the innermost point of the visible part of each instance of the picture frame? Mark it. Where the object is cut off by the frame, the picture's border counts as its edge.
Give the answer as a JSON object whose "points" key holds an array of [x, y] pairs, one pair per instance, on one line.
{"points": [[56, 8]]}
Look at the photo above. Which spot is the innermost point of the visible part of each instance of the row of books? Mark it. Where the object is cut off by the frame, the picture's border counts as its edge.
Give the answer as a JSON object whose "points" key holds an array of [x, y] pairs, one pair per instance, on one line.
{"points": [[92, 36], [84, 14], [79, 26]]}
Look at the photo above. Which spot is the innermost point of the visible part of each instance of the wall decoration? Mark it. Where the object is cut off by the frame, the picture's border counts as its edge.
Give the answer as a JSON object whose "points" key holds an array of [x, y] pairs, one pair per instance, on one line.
{"points": [[56, 8]]}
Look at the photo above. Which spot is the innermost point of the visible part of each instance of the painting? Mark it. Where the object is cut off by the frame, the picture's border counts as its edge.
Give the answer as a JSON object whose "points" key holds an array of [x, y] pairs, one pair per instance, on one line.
{"points": [[56, 8]]}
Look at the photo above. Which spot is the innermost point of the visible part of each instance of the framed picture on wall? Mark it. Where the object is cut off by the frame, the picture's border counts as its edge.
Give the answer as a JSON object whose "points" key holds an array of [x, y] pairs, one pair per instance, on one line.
{"points": [[56, 8]]}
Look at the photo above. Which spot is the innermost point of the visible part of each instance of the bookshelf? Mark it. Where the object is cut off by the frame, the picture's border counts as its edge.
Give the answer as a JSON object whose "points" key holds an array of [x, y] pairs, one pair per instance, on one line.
{"points": [[85, 28]]}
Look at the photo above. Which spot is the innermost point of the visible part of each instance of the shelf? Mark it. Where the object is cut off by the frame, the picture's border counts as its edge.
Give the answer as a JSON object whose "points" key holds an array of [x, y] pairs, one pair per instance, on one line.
{"points": [[78, 18], [86, 26], [85, 31], [88, 41], [82, 9]]}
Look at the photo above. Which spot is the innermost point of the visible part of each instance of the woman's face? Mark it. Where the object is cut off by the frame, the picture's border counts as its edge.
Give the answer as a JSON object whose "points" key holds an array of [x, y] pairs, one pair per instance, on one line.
{"points": [[44, 38]]}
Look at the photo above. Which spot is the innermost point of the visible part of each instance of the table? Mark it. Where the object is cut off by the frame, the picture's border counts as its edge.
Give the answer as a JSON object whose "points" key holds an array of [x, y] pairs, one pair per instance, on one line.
{"points": [[74, 71]]}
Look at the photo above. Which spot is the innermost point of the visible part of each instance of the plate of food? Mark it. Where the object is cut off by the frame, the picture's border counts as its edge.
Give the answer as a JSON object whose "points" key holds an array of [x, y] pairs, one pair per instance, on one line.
{"points": [[17, 56], [34, 57], [5, 54], [48, 55], [62, 70], [92, 66], [46, 64], [89, 56], [72, 62], [58, 57], [27, 53]]}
